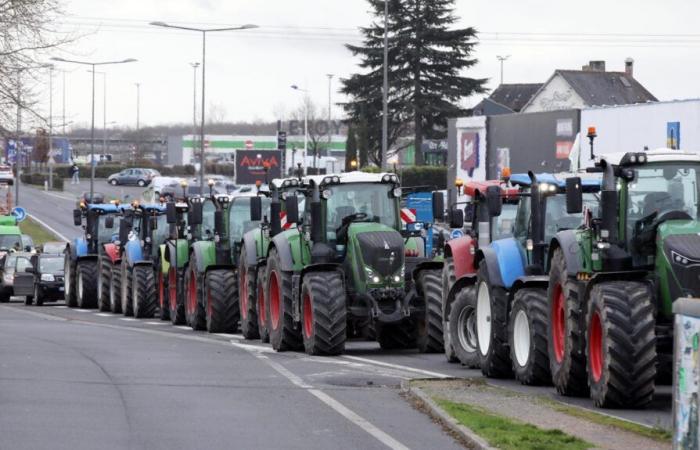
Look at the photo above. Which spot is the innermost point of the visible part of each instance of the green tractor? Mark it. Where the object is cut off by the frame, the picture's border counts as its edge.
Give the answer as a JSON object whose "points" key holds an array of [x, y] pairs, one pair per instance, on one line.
{"points": [[174, 255], [613, 281], [346, 264]]}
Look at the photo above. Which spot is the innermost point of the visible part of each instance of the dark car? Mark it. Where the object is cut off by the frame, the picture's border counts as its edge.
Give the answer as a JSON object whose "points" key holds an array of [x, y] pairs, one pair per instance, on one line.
{"points": [[9, 264], [97, 197], [42, 281], [134, 177]]}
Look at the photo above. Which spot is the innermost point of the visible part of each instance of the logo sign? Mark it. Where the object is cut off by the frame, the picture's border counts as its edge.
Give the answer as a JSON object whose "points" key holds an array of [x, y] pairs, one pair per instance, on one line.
{"points": [[19, 213], [469, 151], [455, 234], [250, 166], [249, 144]]}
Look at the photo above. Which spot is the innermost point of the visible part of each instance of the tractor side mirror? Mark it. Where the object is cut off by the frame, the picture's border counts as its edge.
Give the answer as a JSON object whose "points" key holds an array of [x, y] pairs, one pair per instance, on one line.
{"points": [[77, 217], [574, 195], [493, 200], [124, 228], [469, 212], [171, 212], [256, 209], [195, 214], [438, 206], [291, 207], [456, 217], [219, 226], [109, 222]]}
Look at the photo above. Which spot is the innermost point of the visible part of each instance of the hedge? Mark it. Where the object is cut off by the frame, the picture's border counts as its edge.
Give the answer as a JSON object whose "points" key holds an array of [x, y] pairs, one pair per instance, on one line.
{"points": [[39, 179], [104, 171], [419, 175]]}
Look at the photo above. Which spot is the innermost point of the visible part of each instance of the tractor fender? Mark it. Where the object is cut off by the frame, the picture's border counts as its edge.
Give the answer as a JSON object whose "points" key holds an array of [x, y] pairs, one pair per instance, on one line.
{"points": [[425, 265], [133, 252], [505, 261], [112, 251], [462, 252], [281, 244], [205, 254], [79, 248], [566, 240], [251, 251], [539, 281], [87, 258], [462, 282], [172, 256]]}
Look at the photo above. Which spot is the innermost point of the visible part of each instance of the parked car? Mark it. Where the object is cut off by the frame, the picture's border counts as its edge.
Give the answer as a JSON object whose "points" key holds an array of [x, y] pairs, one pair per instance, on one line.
{"points": [[6, 175], [174, 191], [97, 197], [9, 264], [42, 281], [137, 177], [158, 183]]}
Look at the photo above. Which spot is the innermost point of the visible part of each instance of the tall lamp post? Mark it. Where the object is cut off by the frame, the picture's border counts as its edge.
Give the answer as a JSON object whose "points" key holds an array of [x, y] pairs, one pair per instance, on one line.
{"points": [[330, 82], [385, 89], [104, 113], [92, 130], [204, 32], [306, 121]]}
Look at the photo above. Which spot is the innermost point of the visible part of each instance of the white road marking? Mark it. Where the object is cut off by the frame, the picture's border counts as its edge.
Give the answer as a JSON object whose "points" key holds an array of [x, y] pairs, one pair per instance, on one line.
{"points": [[338, 407], [82, 310], [45, 225], [183, 327], [128, 319], [104, 315], [253, 347], [156, 323], [398, 367], [60, 306], [230, 336]]}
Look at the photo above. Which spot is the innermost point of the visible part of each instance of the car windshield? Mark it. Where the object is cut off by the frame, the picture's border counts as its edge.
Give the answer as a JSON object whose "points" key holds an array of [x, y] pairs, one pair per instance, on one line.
{"points": [[371, 199], [10, 241], [50, 265]]}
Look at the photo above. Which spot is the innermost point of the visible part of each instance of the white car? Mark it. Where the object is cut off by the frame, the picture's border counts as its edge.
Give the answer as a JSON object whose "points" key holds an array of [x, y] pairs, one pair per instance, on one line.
{"points": [[158, 183], [6, 175]]}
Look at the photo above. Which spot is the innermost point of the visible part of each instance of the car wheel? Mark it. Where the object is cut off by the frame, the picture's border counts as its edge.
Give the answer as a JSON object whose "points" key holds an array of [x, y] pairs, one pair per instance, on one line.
{"points": [[141, 183], [113, 182]]}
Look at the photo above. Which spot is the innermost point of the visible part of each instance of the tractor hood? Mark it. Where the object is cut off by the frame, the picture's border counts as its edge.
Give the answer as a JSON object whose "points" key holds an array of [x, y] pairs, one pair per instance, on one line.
{"points": [[381, 247], [680, 242]]}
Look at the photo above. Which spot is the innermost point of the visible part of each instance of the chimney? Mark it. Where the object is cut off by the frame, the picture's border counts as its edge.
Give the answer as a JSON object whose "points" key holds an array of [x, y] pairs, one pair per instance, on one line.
{"points": [[594, 66], [629, 67]]}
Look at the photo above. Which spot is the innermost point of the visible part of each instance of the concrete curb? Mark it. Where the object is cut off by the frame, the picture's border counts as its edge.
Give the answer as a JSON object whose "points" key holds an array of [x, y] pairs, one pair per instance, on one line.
{"points": [[417, 394]]}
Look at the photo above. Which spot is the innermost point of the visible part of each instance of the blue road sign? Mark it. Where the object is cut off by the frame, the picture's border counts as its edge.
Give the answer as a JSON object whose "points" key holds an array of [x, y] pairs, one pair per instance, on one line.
{"points": [[19, 213], [456, 234]]}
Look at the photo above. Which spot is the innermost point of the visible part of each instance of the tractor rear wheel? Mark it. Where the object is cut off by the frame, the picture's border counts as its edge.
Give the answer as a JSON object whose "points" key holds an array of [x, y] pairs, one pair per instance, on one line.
{"points": [[247, 283], [69, 282], [566, 340], [492, 326], [115, 290], [448, 280], [87, 284], [176, 296], [263, 306], [527, 337], [222, 307], [621, 344], [144, 292], [430, 338], [103, 283], [462, 327], [396, 336], [127, 290], [163, 307], [323, 309], [284, 333], [194, 309]]}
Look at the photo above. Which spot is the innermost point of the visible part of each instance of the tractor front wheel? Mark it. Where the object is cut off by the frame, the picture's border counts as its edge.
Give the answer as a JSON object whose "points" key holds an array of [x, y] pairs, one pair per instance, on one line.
{"points": [[323, 310], [621, 344], [103, 283], [448, 280], [115, 290], [194, 310], [462, 327], [144, 292], [492, 326], [127, 290], [247, 283], [527, 336], [87, 284], [222, 307], [69, 280], [284, 334], [430, 339], [163, 307]]}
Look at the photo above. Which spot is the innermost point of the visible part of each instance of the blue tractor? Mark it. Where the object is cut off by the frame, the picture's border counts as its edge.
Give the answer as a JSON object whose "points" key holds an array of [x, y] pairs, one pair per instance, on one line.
{"points": [[511, 284]]}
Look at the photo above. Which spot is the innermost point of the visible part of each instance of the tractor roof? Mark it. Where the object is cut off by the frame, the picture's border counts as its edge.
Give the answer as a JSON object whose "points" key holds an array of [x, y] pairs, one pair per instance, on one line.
{"points": [[658, 155], [349, 177], [107, 208], [588, 181]]}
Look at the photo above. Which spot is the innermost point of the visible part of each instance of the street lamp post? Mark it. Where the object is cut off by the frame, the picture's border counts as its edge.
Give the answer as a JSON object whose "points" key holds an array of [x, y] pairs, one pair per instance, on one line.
{"points": [[306, 122], [330, 81], [194, 65], [385, 90], [138, 120], [92, 131], [50, 161], [104, 113], [502, 59], [204, 32]]}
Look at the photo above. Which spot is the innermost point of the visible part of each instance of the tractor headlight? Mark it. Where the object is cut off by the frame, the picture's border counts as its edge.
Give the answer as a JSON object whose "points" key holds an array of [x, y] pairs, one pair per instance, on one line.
{"points": [[376, 279], [397, 279], [397, 192], [530, 245], [47, 277], [326, 194]]}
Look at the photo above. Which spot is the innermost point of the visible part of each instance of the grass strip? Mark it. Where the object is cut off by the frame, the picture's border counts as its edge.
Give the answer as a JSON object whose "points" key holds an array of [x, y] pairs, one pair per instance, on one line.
{"points": [[39, 234], [508, 434]]}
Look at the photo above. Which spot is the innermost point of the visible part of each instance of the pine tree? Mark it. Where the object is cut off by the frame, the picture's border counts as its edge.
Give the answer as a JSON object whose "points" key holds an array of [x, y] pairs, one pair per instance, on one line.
{"points": [[426, 63], [350, 149]]}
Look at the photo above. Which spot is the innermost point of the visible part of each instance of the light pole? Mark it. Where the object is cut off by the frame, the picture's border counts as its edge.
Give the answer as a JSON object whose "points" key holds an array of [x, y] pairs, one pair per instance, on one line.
{"points": [[502, 59], [330, 82], [50, 161], [194, 65], [385, 90], [92, 131], [104, 113], [306, 121], [138, 119], [204, 32]]}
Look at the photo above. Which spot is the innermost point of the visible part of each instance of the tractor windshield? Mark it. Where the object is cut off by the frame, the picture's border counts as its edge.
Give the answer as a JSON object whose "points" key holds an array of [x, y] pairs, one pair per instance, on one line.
{"points": [[660, 188], [208, 209], [556, 219], [373, 200], [10, 241], [239, 217], [105, 234], [503, 225], [161, 233]]}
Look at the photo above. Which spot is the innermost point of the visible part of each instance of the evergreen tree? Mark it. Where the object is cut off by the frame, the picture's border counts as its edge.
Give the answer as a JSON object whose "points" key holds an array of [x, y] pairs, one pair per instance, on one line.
{"points": [[350, 148], [426, 62]]}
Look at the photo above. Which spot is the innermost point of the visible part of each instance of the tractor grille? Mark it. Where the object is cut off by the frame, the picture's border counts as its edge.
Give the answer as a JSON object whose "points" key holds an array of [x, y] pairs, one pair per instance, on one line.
{"points": [[684, 253], [382, 251]]}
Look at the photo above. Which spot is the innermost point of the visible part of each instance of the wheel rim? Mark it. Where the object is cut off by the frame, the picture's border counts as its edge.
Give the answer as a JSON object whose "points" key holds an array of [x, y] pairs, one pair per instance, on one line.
{"points": [[308, 316], [192, 293], [521, 338], [483, 318], [466, 329], [80, 286], [172, 288], [558, 323], [262, 312], [274, 300], [243, 289], [66, 279], [595, 346], [161, 290]]}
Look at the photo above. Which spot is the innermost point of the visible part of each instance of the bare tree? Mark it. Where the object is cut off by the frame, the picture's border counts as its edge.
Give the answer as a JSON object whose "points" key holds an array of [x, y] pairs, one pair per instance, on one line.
{"points": [[216, 113], [317, 139]]}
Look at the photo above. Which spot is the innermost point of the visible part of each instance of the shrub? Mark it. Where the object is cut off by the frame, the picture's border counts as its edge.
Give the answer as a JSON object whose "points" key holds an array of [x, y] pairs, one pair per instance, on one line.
{"points": [[38, 179], [418, 175]]}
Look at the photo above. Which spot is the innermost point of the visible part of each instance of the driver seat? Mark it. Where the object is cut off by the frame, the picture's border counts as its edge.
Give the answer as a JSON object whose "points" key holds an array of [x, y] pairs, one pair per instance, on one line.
{"points": [[656, 202]]}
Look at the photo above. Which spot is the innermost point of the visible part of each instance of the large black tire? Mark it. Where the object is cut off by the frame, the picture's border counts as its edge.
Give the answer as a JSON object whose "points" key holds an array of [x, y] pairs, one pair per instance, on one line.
{"points": [[566, 339], [69, 280], [263, 306], [285, 334], [194, 301], [176, 295], [127, 294], [527, 337], [38, 298], [247, 284], [462, 327], [103, 283], [324, 317], [448, 280], [162, 289], [492, 326], [396, 336], [87, 284], [143, 292], [222, 313], [115, 290], [430, 338], [621, 344]]}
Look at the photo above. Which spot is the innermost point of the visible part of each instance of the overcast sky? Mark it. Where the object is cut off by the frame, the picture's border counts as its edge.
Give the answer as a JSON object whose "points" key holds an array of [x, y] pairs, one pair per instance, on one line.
{"points": [[249, 73]]}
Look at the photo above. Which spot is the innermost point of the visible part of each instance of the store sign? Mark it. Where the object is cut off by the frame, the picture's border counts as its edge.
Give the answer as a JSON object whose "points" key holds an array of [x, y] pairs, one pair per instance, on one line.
{"points": [[251, 166]]}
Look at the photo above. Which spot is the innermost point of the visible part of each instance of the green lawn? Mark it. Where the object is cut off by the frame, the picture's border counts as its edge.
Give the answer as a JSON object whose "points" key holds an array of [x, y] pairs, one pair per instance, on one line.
{"points": [[38, 233], [508, 434]]}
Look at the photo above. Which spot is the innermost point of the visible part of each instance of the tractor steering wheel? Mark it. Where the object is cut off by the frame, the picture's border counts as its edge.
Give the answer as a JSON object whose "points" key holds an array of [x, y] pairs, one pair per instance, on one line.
{"points": [[341, 231]]}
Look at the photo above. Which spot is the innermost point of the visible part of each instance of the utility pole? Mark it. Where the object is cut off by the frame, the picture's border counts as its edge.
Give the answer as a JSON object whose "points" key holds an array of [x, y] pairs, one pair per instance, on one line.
{"points": [[330, 80], [104, 116], [502, 59], [138, 118], [19, 137], [385, 90], [194, 65], [50, 161], [64, 102]]}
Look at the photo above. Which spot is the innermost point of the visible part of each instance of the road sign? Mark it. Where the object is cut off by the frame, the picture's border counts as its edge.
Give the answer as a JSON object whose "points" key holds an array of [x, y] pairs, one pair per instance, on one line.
{"points": [[19, 213], [456, 234]]}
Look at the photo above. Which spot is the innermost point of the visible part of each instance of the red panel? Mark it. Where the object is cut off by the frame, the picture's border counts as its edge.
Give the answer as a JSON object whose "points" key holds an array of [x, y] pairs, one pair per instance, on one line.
{"points": [[463, 250], [113, 252]]}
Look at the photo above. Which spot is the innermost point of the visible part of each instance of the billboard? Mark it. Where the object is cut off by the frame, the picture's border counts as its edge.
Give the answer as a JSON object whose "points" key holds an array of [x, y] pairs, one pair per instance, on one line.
{"points": [[251, 165]]}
